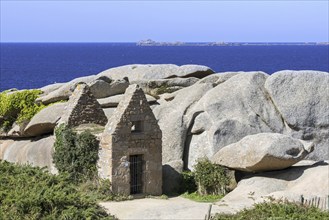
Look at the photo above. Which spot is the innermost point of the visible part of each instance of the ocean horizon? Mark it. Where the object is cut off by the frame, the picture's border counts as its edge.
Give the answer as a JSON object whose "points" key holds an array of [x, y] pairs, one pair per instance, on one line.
{"points": [[33, 65]]}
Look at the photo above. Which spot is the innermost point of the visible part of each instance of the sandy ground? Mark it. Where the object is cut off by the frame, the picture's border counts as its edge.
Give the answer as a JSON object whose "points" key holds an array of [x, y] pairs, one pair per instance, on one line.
{"points": [[149, 208]]}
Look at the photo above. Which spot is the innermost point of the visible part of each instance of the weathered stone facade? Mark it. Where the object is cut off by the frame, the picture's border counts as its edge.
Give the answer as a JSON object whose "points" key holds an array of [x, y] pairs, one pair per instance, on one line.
{"points": [[132, 131], [83, 108]]}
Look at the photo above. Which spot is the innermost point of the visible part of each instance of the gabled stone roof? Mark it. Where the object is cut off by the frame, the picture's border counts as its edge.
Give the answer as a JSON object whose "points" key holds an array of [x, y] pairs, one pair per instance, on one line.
{"points": [[83, 108], [133, 106]]}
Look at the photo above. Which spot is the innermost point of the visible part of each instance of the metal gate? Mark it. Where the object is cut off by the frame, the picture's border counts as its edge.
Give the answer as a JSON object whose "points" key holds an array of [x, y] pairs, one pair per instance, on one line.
{"points": [[136, 173]]}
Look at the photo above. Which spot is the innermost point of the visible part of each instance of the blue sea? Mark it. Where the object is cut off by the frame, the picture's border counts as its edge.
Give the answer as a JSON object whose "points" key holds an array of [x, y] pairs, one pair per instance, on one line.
{"points": [[33, 65]]}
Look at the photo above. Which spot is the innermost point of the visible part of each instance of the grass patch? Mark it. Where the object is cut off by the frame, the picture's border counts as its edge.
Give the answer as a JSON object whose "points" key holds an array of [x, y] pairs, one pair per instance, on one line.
{"points": [[280, 210], [202, 198], [32, 193]]}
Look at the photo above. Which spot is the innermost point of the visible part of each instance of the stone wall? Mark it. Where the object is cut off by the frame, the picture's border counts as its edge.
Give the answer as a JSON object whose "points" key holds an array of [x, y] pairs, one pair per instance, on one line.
{"points": [[83, 108], [120, 141]]}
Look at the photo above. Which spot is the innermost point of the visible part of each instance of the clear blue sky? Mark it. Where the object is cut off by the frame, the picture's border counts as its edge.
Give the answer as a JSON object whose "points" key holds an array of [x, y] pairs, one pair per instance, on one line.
{"points": [[192, 21]]}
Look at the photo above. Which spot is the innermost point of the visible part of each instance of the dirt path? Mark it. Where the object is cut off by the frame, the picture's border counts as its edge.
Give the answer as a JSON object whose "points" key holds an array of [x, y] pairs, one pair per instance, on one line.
{"points": [[172, 208]]}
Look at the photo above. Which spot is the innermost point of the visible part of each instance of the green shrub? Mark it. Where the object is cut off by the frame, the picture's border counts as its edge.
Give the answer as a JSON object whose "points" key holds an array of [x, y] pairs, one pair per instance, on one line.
{"points": [[187, 183], [76, 154], [18, 106], [281, 210], [31, 193], [207, 183], [210, 178]]}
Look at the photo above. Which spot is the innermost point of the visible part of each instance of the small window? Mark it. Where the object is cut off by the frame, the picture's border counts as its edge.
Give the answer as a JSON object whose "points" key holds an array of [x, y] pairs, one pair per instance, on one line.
{"points": [[137, 127]]}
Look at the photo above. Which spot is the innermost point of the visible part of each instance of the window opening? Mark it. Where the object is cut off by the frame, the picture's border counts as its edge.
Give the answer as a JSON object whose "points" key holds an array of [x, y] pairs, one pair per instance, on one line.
{"points": [[137, 126]]}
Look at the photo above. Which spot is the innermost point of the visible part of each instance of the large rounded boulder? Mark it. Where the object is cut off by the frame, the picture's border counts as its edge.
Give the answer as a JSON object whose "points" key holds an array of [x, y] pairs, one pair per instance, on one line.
{"points": [[36, 152], [199, 120], [156, 71], [235, 108], [104, 87], [306, 183], [45, 121], [302, 98], [64, 91], [263, 152], [174, 124]]}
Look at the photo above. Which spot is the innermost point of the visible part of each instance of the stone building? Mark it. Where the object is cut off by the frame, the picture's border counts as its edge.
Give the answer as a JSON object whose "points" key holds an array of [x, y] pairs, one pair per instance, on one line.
{"points": [[83, 108], [131, 147]]}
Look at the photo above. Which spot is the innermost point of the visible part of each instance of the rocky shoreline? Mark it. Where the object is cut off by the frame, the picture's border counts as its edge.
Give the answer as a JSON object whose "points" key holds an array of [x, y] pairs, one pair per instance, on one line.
{"points": [[283, 116]]}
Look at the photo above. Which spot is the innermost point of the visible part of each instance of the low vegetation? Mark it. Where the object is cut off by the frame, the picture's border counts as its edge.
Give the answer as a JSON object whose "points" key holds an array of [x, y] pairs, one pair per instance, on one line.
{"points": [[280, 210], [211, 178], [202, 198], [18, 107], [210, 182], [32, 193], [188, 184], [164, 89], [207, 183], [76, 154]]}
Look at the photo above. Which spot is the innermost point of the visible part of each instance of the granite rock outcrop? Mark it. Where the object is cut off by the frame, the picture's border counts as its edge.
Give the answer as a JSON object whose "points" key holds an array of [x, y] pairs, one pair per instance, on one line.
{"points": [[34, 151], [263, 152], [156, 71], [302, 98], [104, 87], [199, 113], [306, 183], [64, 91], [45, 121]]}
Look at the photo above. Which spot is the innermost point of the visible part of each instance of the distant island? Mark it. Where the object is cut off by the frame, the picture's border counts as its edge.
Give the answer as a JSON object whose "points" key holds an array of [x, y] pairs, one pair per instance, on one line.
{"points": [[150, 42]]}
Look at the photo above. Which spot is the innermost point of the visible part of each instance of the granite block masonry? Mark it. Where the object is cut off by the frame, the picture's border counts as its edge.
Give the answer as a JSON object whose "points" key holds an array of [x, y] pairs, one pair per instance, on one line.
{"points": [[131, 147], [83, 108]]}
